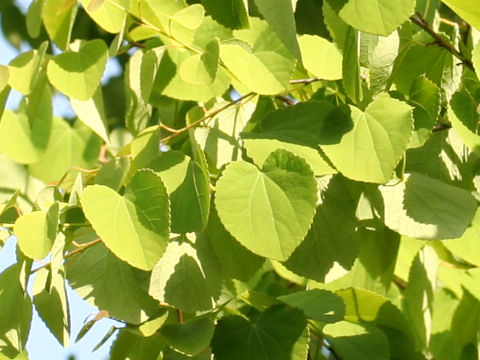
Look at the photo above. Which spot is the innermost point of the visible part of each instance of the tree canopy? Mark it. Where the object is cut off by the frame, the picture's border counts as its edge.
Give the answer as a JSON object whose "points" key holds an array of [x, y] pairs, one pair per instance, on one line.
{"points": [[263, 179]]}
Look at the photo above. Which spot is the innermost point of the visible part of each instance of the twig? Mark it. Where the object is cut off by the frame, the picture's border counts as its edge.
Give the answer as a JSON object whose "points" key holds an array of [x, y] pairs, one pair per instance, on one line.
{"points": [[208, 116], [304, 81], [439, 40], [81, 248], [441, 127]]}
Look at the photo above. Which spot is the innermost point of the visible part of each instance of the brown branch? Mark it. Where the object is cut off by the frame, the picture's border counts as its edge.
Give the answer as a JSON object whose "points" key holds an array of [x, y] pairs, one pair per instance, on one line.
{"points": [[439, 40], [441, 127], [304, 81]]}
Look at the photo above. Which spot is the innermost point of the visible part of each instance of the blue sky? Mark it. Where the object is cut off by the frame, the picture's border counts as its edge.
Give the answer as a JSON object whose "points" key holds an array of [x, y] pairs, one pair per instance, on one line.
{"points": [[41, 344]]}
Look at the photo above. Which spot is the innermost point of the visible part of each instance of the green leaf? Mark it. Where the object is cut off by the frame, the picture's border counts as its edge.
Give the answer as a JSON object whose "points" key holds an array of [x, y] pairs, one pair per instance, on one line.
{"points": [[134, 226], [253, 59], [17, 139], [129, 346], [92, 113], [374, 16], [285, 190], [321, 57], [187, 276], [356, 341], [331, 237], [320, 305], [351, 76], [67, 146], [58, 17], [16, 316], [425, 208], [110, 16], [280, 16], [372, 149], [365, 307], [34, 18], [77, 74], [201, 69], [36, 232], [231, 14], [24, 70], [124, 295], [114, 173], [50, 301], [475, 57], [467, 9], [236, 261], [188, 186], [190, 337], [271, 336]]}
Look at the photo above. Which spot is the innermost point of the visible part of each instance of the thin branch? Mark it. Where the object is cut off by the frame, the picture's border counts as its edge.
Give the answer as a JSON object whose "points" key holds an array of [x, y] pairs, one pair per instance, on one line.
{"points": [[304, 81], [206, 117], [439, 40], [441, 127], [81, 247]]}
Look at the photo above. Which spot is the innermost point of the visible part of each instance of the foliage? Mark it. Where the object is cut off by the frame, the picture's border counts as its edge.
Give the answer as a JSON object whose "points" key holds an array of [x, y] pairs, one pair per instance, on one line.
{"points": [[263, 179]]}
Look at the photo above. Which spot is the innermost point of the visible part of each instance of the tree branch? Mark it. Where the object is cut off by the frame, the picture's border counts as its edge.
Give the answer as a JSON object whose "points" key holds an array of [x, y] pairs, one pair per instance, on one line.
{"points": [[419, 20]]}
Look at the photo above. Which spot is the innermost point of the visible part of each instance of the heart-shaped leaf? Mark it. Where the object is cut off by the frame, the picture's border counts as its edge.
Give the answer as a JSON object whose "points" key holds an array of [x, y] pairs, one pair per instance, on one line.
{"points": [[372, 149], [135, 226], [321, 57], [284, 192], [78, 74]]}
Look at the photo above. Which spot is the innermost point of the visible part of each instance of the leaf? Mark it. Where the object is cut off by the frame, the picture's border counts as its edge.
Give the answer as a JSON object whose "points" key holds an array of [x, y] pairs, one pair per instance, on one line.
{"points": [[331, 237], [260, 51], [236, 261], [67, 146], [285, 190], [129, 346], [468, 10], [187, 276], [36, 232], [124, 295], [351, 76], [374, 16], [356, 341], [320, 305], [231, 14], [271, 336], [14, 323], [475, 56], [134, 226], [77, 74], [280, 16], [24, 70], [321, 57], [34, 18], [188, 185], [92, 113], [190, 337], [114, 173], [17, 139], [372, 149], [201, 69], [426, 208], [110, 16], [58, 18]]}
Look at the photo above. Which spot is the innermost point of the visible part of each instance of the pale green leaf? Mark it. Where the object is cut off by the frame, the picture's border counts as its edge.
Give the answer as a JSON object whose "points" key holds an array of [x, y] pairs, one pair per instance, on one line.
{"points": [[280, 16], [284, 193], [24, 70], [356, 341], [351, 76], [36, 232], [17, 140], [374, 16], [475, 57], [321, 57], [467, 9], [114, 173], [110, 16], [58, 17], [92, 113], [190, 337], [232, 14], [320, 305], [188, 186], [253, 59], [110, 284], [130, 346], [272, 336], [187, 276], [67, 146], [77, 74], [372, 149], [201, 69], [425, 208], [134, 226]]}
